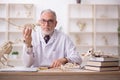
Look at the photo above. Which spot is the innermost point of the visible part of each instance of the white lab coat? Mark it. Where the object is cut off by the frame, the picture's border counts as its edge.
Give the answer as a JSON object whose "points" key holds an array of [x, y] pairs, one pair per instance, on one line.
{"points": [[43, 54]]}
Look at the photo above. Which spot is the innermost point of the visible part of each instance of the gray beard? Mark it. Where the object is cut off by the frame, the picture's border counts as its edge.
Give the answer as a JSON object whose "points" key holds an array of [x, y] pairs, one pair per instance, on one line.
{"points": [[47, 33]]}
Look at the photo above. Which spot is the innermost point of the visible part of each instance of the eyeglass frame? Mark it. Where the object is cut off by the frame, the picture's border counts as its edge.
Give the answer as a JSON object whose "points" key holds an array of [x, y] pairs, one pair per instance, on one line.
{"points": [[50, 21]]}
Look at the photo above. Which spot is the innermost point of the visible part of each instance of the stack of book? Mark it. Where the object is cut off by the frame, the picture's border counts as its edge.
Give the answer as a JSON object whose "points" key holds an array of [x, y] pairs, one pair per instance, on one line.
{"points": [[103, 64]]}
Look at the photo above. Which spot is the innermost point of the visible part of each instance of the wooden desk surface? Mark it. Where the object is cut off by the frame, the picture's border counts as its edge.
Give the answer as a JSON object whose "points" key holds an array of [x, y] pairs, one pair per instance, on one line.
{"points": [[61, 75], [58, 73], [53, 73]]}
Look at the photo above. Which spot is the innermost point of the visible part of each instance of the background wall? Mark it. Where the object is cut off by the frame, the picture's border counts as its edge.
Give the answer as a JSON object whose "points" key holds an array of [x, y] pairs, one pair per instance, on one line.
{"points": [[60, 6]]}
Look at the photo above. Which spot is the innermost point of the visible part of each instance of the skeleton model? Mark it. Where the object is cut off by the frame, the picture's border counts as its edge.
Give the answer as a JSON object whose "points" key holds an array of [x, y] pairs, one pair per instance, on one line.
{"points": [[92, 53], [5, 48], [31, 25], [81, 25]]}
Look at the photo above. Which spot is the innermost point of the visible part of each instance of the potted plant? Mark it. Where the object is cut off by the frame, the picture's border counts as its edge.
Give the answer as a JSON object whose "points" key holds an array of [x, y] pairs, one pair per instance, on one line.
{"points": [[119, 33], [15, 54]]}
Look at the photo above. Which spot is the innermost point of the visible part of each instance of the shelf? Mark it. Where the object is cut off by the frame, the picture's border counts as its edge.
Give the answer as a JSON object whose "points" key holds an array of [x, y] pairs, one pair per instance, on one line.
{"points": [[106, 33], [82, 18], [84, 46], [108, 46], [2, 18], [19, 18], [80, 25], [83, 40], [2, 38], [105, 11], [18, 24], [3, 11], [85, 11], [15, 31], [106, 25], [2, 32], [77, 33], [112, 50], [21, 10], [107, 18], [83, 49], [94, 26], [13, 17]]}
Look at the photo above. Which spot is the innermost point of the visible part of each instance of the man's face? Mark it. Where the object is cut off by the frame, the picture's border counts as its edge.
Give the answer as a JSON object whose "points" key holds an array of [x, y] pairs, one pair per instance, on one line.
{"points": [[47, 23]]}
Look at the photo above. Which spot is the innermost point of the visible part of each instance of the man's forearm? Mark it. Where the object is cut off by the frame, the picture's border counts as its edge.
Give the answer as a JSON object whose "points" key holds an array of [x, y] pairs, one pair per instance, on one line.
{"points": [[28, 58]]}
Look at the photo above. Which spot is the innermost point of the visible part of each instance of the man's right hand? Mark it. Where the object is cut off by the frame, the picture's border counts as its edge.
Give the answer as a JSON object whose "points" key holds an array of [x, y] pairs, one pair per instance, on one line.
{"points": [[27, 34]]}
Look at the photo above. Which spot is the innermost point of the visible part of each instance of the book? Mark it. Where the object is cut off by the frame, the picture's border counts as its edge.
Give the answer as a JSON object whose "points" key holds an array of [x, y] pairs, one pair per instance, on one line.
{"points": [[103, 63], [101, 68], [103, 59]]}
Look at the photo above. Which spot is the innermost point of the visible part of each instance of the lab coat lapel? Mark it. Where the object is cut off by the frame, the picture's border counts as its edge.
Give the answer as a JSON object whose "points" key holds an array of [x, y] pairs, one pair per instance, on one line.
{"points": [[41, 37], [53, 37]]}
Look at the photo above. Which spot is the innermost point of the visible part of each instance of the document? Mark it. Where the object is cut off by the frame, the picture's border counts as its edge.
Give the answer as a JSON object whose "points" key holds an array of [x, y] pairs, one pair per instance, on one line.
{"points": [[19, 69]]}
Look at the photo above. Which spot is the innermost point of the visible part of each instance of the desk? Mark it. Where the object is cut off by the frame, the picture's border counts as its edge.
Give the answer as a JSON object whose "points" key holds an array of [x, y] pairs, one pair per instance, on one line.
{"points": [[70, 75]]}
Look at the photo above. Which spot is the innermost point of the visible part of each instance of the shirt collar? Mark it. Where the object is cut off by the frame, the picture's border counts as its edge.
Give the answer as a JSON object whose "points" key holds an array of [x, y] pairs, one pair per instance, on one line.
{"points": [[45, 35], [52, 36]]}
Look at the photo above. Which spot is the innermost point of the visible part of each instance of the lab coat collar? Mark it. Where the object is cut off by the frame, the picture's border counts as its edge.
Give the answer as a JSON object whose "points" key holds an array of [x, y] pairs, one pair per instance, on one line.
{"points": [[52, 38]]}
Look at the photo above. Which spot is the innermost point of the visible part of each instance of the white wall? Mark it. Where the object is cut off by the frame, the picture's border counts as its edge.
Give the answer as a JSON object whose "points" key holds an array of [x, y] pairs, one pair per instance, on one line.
{"points": [[60, 6], [101, 1]]}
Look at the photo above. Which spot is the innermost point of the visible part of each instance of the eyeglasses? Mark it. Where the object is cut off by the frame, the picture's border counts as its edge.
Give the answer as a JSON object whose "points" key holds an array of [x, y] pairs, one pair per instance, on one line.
{"points": [[43, 21]]}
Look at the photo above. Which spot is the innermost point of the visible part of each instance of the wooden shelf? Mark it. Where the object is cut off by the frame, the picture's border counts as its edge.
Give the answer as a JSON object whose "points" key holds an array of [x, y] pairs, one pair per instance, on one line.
{"points": [[19, 18], [106, 32], [100, 18], [80, 18], [109, 46], [97, 27], [18, 14], [75, 33]]}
